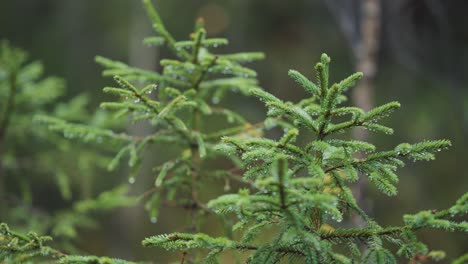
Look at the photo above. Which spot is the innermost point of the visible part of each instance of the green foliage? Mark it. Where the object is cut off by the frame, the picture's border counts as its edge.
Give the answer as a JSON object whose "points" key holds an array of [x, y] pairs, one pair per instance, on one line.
{"points": [[19, 248], [296, 202], [186, 97], [23, 92], [92, 260], [303, 191]]}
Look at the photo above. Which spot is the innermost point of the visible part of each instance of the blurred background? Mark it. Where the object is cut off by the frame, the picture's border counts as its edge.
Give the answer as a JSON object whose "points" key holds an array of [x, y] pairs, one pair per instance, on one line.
{"points": [[413, 51]]}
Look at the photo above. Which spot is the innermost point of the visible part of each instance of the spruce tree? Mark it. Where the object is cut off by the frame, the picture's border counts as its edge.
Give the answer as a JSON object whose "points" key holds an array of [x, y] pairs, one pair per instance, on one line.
{"points": [[300, 193], [177, 103], [26, 174]]}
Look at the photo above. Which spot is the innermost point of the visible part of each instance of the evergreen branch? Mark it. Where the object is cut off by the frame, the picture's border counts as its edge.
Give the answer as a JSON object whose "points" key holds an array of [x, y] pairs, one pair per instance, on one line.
{"points": [[362, 233], [379, 112], [297, 114], [203, 73], [154, 41], [200, 36], [182, 241], [304, 82], [325, 118], [423, 219], [365, 120], [350, 80], [146, 101], [23, 247], [92, 260], [207, 43], [416, 151], [243, 57], [71, 130], [158, 25], [132, 73], [322, 72]]}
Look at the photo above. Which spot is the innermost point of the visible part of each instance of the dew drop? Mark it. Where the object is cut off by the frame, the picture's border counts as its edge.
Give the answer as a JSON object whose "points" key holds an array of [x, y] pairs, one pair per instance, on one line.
{"points": [[153, 219], [131, 180], [137, 100], [68, 135], [215, 100]]}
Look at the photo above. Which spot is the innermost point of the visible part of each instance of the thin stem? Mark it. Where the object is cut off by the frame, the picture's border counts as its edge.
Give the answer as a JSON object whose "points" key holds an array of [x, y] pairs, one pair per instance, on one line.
{"points": [[364, 232], [196, 48], [326, 118], [184, 254], [204, 72], [242, 246], [390, 154], [197, 123], [281, 190]]}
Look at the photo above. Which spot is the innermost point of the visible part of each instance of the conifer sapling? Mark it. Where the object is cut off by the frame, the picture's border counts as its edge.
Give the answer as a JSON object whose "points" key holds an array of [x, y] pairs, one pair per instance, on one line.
{"points": [[300, 193]]}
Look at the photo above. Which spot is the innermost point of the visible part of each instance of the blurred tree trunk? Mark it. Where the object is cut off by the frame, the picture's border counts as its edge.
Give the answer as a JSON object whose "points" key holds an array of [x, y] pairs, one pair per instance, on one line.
{"points": [[366, 62], [361, 23], [366, 58], [426, 36]]}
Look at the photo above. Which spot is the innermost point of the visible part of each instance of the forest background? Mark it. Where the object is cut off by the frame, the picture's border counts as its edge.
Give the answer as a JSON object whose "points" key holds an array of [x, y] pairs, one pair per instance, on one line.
{"points": [[421, 65]]}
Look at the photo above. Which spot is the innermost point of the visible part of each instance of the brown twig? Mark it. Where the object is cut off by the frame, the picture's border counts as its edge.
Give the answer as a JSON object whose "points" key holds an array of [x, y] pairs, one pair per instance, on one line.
{"points": [[184, 254]]}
